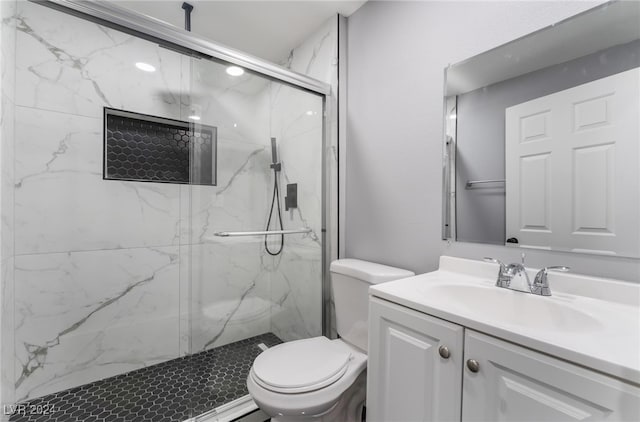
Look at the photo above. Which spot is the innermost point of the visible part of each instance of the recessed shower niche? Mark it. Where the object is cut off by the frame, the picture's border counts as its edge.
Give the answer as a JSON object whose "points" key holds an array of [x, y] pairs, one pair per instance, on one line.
{"points": [[143, 148]]}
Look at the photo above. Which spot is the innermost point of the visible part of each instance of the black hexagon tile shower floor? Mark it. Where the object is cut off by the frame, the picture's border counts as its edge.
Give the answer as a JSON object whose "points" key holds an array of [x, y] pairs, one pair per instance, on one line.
{"points": [[170, 391]]}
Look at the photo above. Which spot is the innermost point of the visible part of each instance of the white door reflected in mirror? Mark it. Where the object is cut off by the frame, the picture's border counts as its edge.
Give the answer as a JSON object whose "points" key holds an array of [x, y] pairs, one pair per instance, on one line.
{"points": [[572, 168], [542, 138]]}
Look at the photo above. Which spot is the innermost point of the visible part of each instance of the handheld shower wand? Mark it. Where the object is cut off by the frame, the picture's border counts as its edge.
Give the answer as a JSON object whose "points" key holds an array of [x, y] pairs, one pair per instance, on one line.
{"points": [[275, 200], [275, 165]]}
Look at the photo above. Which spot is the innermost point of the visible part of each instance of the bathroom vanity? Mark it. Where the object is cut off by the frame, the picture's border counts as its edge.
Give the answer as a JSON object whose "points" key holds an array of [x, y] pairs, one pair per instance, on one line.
{"points": [[450, 345]]}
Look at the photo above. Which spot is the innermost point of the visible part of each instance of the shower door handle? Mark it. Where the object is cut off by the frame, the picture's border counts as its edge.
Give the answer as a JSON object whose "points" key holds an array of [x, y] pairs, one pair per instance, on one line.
{"points": [[263, 233]]}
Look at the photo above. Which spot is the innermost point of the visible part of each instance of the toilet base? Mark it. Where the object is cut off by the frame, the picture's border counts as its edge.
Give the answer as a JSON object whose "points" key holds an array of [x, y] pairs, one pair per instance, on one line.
{"points": [[348, 409]]}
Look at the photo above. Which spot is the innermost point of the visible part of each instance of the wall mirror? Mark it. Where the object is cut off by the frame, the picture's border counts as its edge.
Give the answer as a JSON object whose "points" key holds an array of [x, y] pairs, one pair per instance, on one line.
{"points": [[542, 138]]}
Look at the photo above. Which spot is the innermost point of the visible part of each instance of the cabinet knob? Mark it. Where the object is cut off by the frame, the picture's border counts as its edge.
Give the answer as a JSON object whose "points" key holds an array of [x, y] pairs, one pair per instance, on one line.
{"points": [[473, 365], [444, 352]]}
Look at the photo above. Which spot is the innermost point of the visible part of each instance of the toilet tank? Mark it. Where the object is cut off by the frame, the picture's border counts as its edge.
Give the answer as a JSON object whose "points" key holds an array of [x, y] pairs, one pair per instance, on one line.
{"points": [[350, 280]]}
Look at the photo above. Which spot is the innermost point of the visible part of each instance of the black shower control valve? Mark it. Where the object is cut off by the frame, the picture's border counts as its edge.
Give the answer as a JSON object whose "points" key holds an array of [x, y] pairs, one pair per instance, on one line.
{"points": [[276, 166], [291, 200]]}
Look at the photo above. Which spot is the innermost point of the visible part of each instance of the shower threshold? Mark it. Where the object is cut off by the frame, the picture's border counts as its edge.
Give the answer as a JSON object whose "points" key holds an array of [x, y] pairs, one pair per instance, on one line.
{"points": [[207, 383]]}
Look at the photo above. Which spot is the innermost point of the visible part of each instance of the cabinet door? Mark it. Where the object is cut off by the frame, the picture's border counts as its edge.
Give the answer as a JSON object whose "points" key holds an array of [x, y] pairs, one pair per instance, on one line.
{"points": [[408, 380], [517, 384]]}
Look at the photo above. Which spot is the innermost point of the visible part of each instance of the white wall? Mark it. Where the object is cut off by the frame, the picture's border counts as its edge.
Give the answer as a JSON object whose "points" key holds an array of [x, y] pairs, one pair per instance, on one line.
{"points": [[397, 52]]}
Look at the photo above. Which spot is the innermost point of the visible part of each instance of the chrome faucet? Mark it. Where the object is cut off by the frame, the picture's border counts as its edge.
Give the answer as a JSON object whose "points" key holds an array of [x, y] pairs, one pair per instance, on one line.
{"points": [[540, 285]]}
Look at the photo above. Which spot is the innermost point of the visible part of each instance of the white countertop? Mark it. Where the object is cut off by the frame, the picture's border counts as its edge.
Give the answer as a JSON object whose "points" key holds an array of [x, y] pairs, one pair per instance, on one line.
{"points": [[604, 335]]}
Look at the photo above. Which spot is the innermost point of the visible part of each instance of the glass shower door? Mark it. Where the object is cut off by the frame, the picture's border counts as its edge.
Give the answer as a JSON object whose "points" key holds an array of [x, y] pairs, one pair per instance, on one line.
{"points": [[97, 216], [249, 291]]}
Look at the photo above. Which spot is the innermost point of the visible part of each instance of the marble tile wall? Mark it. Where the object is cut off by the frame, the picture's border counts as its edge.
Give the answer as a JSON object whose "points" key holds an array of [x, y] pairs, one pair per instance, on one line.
{"points": [[111, 276], [7, 116], [65, 337], [297, 276], [96, 267]]}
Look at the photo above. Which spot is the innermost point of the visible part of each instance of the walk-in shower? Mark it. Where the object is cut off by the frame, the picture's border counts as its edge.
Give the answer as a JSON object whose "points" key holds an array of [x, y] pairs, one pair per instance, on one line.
{"points": [[137, 178]]}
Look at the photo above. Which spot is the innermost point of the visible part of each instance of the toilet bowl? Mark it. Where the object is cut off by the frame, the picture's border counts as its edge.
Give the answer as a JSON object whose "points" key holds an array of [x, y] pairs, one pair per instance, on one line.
{"points": [[309, 379], [319, 379]]}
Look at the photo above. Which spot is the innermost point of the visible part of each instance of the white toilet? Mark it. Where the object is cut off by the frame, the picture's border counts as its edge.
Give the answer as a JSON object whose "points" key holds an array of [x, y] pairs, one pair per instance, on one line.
{"points": [[318, 379]]}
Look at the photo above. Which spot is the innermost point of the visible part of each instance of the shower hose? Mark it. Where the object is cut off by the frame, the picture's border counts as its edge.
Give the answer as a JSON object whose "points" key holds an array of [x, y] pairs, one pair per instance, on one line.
{"points": [[275, 200]]}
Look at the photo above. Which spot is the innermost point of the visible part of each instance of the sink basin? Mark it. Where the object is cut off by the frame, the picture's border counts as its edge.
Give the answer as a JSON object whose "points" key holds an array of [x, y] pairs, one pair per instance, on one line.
{"points": [[513, 308]]}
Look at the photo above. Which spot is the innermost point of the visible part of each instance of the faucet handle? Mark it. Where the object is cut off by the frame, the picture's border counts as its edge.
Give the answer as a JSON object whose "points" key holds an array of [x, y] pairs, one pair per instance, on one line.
{"points": [[541, 283], [503, 279], [495, 261]]}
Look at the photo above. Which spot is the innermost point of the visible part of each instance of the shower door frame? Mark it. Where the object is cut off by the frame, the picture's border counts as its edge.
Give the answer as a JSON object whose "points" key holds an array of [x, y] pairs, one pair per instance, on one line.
{"points": [[182, 41], [155, 30]]}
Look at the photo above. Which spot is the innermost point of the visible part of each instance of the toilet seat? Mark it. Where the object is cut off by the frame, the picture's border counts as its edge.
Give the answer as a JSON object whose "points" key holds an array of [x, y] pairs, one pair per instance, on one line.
{"points": [[301, 366], [316, 402]]}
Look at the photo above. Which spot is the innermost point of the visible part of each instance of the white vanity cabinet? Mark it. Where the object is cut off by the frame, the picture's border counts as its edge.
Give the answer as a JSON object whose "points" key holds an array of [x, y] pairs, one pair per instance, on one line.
{"points": [[408, 380]]}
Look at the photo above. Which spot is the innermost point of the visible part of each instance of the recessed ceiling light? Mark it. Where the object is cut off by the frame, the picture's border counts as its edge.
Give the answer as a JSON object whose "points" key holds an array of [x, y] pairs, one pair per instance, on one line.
{"points": [[310, 113], [235, 70], [146, 67], [194, 117]]}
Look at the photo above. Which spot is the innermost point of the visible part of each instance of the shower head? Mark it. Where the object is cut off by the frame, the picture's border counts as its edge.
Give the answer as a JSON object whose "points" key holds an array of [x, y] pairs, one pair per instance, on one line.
{"points": [[274, 152]]}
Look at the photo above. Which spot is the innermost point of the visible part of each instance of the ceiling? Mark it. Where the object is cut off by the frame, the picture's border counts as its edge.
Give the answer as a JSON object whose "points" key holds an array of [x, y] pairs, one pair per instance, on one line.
{"points": [[267, 29]]}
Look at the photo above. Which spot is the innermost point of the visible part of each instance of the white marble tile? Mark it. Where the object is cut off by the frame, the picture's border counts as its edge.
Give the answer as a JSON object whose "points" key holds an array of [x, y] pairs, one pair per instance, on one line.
{"points": [[63, 204], [71, 65], [7, 113], [239, 109], [230, 294], [6, 250], [7, 134], [83, 316], [316, 56], [296, 291], [301, 153], [240, 200], [6, 331], [7, 48]]}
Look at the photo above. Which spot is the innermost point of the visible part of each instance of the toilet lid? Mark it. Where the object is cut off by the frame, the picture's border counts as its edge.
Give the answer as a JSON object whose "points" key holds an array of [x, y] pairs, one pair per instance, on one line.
{"points": [[301, 366]]}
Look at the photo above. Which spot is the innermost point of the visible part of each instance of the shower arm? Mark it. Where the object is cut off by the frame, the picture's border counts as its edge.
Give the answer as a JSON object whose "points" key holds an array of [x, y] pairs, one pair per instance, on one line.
{"points": [[188, 8]]}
